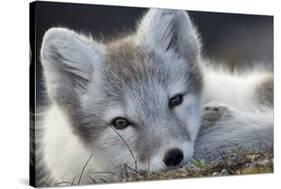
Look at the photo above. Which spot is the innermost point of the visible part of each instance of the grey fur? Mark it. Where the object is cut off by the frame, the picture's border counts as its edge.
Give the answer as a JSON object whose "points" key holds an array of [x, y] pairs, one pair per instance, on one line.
{"points": [[251, 132], [135, 73]]}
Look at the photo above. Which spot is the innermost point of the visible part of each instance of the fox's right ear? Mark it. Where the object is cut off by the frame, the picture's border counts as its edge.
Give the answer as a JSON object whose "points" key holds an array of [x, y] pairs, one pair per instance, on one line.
{"points": [[167, 29], [69, 61]]}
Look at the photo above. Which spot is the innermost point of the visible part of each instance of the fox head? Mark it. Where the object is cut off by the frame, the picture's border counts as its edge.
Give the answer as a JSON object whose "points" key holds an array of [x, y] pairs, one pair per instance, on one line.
{"points": [[135, 100]]}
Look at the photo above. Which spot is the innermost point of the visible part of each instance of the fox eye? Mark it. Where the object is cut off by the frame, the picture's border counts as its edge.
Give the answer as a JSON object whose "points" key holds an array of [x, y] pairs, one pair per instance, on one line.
{"points": [[120, 123], [176, 100]]}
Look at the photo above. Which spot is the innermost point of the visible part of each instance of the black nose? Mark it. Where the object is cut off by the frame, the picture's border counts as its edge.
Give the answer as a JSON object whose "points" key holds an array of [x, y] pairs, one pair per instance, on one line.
{"points": [[173, 157]]}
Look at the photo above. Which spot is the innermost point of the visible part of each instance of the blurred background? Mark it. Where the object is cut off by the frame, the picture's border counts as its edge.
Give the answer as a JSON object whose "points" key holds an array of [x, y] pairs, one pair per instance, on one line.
{"points": [[232, 39]]}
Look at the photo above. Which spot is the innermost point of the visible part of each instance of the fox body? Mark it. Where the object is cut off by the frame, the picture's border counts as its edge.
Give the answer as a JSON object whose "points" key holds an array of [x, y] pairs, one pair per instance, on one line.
{"points": [[143, 101]]}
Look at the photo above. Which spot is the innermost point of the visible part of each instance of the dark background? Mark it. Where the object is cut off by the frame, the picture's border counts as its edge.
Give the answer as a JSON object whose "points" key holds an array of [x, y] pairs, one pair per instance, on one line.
{"points": [[233, 39]]}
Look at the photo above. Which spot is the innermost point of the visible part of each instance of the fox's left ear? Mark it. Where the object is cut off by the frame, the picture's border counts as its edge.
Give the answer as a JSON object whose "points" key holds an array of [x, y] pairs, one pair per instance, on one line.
{"points": [[69, 62], [164, 29]]}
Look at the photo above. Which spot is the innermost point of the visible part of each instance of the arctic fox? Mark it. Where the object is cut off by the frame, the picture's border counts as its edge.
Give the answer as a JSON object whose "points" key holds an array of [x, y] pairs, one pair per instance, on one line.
{"points": [[146, 101]]}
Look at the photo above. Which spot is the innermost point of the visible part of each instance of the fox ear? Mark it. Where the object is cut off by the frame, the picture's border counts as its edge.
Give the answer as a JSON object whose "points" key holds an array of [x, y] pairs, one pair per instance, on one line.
{"points": [[164, 29], [68, 61]]}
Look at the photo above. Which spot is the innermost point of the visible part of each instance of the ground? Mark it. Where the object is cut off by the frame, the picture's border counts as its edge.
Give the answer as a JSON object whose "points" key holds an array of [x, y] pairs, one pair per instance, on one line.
{"points": [[234, 163], [239, 164]]}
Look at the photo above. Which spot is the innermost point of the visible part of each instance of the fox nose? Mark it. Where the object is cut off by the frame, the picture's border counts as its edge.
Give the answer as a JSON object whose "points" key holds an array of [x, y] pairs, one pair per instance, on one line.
{"points": [[173, 157]]}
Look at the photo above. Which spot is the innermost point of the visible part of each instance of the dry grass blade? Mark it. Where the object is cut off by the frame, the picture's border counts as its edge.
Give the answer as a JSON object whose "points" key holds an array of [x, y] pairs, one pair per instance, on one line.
{"points": [[84, 168], [73, 180], [103, 180], [132, 169], [93, 180], [103, 172]]}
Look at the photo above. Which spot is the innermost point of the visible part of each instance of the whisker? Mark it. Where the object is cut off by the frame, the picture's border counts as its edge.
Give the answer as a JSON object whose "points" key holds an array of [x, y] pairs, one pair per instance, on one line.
{"points": [[136, 167]]}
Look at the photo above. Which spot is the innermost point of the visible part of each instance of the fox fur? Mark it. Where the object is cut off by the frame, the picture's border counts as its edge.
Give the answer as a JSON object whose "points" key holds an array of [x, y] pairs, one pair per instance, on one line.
{"points": [[89, 83]]}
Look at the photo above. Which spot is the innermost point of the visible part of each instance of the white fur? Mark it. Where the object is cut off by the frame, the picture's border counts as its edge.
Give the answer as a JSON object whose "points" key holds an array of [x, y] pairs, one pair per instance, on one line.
{"points": [[58, 141], [64, 152], [235, 90]]}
